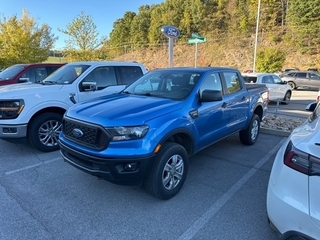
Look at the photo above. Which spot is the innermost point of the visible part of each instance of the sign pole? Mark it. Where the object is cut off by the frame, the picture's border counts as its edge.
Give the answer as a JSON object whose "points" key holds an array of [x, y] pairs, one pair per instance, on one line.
{"points": [[196, 55], [170, 52], [196, 38]]}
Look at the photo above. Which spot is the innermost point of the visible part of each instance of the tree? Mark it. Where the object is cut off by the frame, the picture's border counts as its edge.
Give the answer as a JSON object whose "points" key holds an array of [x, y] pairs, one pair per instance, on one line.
{"points": [[140, 25], [304, 20], [270, 60], [83, 42], [22, 41], [121, 34]]}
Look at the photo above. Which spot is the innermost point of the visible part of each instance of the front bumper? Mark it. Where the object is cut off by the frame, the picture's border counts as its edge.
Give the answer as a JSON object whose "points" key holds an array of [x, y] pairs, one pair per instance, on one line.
{"points": [[13, 131], [128, 171]]}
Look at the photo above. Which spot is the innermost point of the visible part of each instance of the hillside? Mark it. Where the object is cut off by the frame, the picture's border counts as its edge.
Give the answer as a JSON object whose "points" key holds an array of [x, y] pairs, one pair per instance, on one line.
{"points": [[237, 54], [214, 55]]}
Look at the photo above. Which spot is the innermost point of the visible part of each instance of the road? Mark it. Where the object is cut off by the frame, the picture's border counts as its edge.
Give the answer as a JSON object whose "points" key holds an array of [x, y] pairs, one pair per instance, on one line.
{"points": [[224, 196], [296, 108]]}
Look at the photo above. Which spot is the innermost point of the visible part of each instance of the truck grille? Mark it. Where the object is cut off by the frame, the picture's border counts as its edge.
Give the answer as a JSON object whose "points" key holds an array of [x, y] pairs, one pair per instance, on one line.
{"points": [[86, 134]]}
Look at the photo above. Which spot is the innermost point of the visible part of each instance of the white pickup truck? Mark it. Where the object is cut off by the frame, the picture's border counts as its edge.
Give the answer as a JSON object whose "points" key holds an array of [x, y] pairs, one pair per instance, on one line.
{"points": [[279, 90], [34, 111]]}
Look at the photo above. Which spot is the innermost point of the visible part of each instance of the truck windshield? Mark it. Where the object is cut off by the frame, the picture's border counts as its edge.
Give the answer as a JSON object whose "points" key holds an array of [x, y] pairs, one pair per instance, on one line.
{"points": [[176, 85], [66, 74], [10, 72]]}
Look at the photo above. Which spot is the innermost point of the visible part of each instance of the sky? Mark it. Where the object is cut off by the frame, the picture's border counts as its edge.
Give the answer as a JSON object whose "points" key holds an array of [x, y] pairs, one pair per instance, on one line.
{"points": [[59, 13]]}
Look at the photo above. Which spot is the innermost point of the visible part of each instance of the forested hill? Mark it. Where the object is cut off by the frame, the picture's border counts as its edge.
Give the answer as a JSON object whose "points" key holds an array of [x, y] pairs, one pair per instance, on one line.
{"points": [[288, 28]]}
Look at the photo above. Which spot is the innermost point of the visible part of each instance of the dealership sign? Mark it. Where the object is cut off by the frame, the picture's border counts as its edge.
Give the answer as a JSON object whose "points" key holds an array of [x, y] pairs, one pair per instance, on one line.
{"points": [[170, 31]]}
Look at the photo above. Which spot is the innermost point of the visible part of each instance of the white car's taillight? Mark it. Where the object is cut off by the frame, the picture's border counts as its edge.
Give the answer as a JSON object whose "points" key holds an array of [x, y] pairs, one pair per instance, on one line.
{"points": [[301, 161]]}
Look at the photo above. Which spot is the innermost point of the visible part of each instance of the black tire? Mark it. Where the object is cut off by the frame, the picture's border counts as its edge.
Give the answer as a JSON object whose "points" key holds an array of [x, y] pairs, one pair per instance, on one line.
{"points": [[44, 130], [250, 135], [286, 98], [168, 172], [292, 85]]}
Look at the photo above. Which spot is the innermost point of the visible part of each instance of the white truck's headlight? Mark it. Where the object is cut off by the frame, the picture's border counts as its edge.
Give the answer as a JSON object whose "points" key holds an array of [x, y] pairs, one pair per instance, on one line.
{"points": [[10, 109], [128, 133]]}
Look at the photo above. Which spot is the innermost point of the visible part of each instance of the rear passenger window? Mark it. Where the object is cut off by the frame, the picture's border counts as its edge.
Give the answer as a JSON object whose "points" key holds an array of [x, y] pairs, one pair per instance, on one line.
{"points": [[128, 74], [301, 75], [232, 81]]}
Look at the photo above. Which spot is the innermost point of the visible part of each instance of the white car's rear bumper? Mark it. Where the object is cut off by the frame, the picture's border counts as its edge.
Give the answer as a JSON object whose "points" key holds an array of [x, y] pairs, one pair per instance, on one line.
{"points": [[288, 201]]}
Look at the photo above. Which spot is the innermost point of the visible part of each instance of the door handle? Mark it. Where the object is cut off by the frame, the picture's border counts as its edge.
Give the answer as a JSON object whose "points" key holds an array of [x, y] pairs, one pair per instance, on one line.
{"points": [[224, 105]]}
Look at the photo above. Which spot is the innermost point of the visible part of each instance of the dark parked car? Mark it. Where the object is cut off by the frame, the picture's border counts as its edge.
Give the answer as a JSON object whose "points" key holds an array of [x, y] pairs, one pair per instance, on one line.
{"points": [[33, 72], [302, 79], [313, 69]]}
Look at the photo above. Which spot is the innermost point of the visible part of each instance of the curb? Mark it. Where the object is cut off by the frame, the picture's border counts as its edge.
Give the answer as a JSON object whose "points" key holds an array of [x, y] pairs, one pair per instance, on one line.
{"points": [[275, 132]]}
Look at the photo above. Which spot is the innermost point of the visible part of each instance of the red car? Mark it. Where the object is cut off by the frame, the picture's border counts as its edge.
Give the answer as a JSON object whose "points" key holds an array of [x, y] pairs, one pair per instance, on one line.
{"points": [[33, 72]]}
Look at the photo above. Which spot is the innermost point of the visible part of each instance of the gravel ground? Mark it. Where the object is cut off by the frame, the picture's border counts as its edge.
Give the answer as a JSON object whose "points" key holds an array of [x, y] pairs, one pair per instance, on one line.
{"points": [[281, 123]]}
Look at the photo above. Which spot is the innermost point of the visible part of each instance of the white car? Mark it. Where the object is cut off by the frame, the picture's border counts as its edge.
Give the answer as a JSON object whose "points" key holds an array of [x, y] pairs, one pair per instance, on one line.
{"points": [[278, 90], [293, 193]]}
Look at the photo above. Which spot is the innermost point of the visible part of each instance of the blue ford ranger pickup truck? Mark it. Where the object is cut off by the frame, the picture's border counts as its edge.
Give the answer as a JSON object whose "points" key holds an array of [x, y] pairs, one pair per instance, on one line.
{"points": [[146, 133]]}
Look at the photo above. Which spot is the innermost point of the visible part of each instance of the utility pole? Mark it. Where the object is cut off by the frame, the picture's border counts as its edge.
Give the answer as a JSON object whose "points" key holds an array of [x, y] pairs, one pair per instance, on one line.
{"points": [[256, 39]]}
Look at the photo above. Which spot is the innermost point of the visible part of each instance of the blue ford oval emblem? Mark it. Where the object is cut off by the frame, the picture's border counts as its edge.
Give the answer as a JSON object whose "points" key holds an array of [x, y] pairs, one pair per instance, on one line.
{"points": [[77, 132], [170, 31]]}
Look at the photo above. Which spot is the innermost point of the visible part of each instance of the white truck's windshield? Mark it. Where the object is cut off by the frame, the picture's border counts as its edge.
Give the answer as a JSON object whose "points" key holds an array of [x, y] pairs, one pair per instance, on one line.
{"points": [[66, 74]]}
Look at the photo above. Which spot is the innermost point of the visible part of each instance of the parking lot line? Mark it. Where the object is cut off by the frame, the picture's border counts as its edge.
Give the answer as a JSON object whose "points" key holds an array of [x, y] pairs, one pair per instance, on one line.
{"points": [[197, 225], [32, 166]]}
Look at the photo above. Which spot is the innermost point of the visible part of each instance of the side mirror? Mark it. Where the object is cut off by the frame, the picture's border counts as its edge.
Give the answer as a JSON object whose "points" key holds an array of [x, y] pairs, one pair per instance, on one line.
{"points": [[89, 86], [210, 96], [22, 80], [311, 106]]}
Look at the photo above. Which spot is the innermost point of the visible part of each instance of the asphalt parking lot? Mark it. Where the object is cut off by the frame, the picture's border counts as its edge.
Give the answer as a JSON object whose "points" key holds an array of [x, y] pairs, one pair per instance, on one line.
{"points": [[224, 197]]}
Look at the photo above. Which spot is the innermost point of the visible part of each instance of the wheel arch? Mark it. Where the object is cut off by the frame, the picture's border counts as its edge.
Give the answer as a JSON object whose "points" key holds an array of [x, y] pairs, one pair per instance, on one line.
{"points": [[183, 137], [58, 110], [259, 111]]}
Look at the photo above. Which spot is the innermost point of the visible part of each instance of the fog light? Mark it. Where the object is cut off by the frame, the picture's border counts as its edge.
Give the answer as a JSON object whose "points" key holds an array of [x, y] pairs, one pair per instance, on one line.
{"points": [[131, 166], [9, 130]]}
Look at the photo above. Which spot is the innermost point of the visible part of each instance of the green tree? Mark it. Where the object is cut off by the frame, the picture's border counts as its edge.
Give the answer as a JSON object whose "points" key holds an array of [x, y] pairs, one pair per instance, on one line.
{"points": [[303, 19], [191, 20], [120, 36], [140, 25], [270, 60], [23, 41], [156, 23], [83, 41]]}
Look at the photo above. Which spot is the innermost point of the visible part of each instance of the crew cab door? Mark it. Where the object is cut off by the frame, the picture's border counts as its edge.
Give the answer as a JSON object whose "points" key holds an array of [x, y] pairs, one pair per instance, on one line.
{"points": [[236, 101], [210, 121]]}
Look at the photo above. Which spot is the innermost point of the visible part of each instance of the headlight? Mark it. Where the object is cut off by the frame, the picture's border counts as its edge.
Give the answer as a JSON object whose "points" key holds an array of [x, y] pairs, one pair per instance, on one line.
{"points": [[128, 133], [10, 109]]}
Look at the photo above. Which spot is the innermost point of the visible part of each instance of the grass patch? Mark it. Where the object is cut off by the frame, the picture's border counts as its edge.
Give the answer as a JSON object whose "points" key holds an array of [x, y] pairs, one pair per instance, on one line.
{"points": [[56, 60]]}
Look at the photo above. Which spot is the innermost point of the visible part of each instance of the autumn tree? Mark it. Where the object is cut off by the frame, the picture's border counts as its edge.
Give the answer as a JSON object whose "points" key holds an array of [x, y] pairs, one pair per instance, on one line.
{"points": [[83, 41], [23, 41]]}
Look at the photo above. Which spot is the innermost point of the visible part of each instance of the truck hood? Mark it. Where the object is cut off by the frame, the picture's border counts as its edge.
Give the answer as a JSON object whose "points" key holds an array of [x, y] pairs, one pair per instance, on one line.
{"points": [[123, 109], [21, 89]]}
